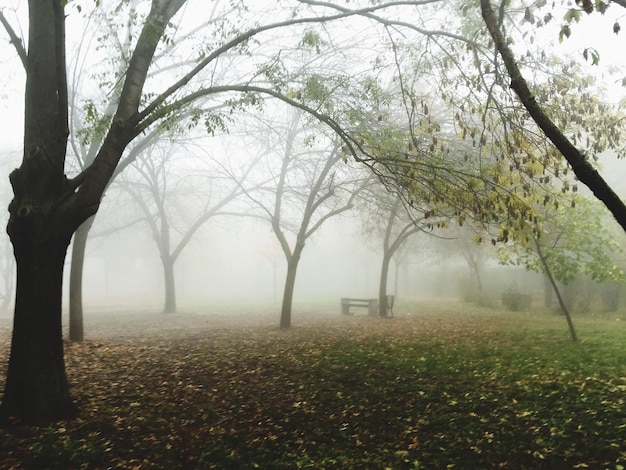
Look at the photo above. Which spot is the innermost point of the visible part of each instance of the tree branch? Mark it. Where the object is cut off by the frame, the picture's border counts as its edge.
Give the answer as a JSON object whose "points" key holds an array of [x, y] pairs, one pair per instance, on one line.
{"points": [[243, 37], [15, 40], [583, 170]]}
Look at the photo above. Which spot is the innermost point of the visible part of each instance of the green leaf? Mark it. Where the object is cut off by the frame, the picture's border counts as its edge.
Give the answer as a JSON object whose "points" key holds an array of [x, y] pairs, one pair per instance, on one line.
{"points": [[573, 14], [565, 32]]}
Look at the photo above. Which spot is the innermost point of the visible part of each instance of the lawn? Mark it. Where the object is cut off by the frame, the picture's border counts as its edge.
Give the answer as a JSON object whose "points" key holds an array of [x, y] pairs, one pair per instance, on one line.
{"points": [[445, 388]]}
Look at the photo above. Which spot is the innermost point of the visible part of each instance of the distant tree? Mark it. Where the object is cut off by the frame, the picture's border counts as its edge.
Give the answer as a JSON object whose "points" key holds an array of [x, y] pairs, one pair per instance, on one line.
{"points": [[387, 218], [177, 206], [471, 243], [571, 241], [311, 185]]}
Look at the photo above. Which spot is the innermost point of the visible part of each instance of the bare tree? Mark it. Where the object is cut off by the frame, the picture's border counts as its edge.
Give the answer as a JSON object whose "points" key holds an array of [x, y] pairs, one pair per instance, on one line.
{"points": [[166, 199], [310, 186], [386, 218]]}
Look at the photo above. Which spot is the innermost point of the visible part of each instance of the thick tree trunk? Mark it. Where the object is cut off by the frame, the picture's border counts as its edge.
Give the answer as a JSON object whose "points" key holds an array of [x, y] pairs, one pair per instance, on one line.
{"points": [[77, 332], [41, 224], [382, 287], [290, 284], [47, 208], [170, 285], [36, 389]]}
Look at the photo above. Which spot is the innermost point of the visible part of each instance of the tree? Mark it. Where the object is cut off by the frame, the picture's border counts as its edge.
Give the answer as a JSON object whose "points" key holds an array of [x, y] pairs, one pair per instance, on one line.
{"points": [[155, 191], [47, 207], [396, 233], [468, 242], [90, 115], [311, 186], [387, 217], [572, 241]]}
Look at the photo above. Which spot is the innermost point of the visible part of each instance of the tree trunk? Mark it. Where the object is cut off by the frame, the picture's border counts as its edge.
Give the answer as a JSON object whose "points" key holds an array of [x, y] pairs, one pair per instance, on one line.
{"points": [[548, 291], [568, 317], [478, 279], [382, 287], [36, 389], [47, 207], [396, 277], [170, 284], [79, 246], [290, 284], [41, 224]]}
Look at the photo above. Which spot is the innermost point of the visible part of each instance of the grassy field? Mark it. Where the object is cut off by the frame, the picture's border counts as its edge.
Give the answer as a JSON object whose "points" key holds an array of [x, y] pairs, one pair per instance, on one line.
{"points": [[447, 387]]}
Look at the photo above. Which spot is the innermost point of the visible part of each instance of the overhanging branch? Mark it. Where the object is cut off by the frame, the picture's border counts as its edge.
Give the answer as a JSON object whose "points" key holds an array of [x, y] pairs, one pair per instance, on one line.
{"points": [[243, 37], [583, 170]]}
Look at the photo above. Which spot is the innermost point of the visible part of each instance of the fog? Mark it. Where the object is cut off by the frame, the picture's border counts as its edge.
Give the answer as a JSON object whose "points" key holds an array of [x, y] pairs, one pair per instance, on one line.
{"points": [[237, 261], [236, 266], [240, 262]]}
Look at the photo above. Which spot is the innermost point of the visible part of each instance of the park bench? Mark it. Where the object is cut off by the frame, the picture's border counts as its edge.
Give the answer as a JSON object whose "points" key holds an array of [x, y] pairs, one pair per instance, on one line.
{"points": [[371, 304]]}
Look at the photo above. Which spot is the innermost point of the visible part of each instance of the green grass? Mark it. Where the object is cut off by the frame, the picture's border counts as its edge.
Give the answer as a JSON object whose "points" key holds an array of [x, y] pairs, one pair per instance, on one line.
{"points": [[442, 389]]}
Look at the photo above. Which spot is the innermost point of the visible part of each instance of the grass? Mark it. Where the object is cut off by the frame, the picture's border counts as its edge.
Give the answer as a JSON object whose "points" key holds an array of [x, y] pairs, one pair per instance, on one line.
{"points": [[446, 388]]}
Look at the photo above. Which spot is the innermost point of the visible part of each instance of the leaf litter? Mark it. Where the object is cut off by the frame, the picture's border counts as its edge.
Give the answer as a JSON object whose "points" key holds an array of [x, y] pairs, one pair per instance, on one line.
{"points": [[441, 390]]}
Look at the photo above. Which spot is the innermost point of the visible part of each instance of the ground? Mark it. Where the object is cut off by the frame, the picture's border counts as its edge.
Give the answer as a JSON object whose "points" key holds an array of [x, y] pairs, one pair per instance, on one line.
{"points": [[446, 386]]}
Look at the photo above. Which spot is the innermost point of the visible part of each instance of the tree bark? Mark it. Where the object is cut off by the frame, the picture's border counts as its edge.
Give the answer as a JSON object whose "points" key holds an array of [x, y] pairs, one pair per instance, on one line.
{"points": [[170, 284], [36, 387], [290, 285], [77, 331], [382, 286]]}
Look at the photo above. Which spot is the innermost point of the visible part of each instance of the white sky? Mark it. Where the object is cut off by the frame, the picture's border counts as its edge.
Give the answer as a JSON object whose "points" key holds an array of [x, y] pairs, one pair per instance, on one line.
{"points": [[594, 31]]}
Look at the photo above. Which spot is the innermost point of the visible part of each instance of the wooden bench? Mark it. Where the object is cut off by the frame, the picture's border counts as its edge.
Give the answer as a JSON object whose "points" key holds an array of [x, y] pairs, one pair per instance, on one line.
{"points": [[371, 304]]}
